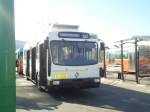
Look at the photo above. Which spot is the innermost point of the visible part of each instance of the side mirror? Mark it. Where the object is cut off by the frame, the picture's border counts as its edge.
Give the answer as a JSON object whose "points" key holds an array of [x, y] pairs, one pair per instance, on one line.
{"points": [[102, 46]]}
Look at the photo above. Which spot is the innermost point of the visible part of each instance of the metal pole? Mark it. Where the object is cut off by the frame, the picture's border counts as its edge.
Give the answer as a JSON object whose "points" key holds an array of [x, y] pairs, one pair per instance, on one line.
{"points": [[122, 67], [7, 57], [104, 62], [136, 63]]}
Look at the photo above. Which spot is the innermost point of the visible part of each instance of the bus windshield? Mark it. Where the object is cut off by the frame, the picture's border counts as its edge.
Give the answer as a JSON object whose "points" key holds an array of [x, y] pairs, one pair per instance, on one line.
{"points": [[74, 53]]}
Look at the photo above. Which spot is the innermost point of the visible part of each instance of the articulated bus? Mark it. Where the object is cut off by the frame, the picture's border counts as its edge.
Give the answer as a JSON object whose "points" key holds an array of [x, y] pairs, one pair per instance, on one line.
{"points": [[65, 59], [21, 57], [19, 60], [113, 59]]}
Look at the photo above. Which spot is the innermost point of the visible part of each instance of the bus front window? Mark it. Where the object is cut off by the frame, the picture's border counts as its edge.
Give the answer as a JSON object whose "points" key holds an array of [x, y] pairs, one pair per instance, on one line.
{"points": [[71, 53]]}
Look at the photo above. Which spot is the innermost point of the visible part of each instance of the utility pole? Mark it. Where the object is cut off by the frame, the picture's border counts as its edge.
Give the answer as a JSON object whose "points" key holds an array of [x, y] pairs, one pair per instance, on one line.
{"points": [[7, 57]]}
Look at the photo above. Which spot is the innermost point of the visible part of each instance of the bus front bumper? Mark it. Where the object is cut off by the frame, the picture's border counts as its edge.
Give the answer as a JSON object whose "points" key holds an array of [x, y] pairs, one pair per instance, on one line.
{"points": [[76, 83]]}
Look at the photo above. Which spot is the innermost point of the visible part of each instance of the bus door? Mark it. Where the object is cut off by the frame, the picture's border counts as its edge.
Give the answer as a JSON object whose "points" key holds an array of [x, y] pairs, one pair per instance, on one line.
{"points": [[33, 63], [43, 65], [28, 63]]}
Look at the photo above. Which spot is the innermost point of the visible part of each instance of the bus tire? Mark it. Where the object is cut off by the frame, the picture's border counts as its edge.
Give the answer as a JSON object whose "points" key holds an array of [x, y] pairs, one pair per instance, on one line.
{"points": [[51, 89], [38, 85], [27, 78]]}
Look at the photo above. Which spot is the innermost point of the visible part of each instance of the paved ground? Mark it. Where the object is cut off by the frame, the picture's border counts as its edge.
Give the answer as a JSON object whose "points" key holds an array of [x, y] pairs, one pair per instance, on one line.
{"points": [[113, 95]]}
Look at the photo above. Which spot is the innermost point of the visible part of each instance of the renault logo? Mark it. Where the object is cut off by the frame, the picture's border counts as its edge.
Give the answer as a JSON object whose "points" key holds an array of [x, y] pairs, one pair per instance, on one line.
{"points": [[76, 75]]}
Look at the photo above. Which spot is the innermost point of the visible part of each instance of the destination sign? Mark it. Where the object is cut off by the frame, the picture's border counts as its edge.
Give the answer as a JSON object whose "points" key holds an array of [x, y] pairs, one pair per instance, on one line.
{"points": [[73, 35]]}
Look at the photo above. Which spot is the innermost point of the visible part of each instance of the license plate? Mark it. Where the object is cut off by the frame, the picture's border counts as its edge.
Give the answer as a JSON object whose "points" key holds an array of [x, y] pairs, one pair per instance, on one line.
{"points": [[61, 76]]}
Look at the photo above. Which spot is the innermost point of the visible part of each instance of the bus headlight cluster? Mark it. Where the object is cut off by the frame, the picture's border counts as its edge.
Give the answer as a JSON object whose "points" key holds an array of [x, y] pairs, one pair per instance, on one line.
{"points": [[56, 82], [96, 80]]}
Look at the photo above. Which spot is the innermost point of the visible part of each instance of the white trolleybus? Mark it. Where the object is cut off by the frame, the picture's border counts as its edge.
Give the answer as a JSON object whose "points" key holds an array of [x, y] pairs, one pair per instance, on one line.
{"points": [[65, 59]]}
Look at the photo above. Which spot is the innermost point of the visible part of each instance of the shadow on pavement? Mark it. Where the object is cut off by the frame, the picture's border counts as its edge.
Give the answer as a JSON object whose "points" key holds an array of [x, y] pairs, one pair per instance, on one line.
{"points": [[29, 97], [108, 97], [23, 103]]}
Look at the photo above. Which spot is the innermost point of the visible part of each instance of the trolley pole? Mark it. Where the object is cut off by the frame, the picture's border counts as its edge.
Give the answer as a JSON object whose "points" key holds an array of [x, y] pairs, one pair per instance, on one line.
{"points": [[136, 62], [7, 57], [122, 67]]}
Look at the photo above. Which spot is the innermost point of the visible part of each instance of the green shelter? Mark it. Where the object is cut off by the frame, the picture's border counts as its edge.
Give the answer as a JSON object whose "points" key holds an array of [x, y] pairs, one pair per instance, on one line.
{"points": [[7, 57]]}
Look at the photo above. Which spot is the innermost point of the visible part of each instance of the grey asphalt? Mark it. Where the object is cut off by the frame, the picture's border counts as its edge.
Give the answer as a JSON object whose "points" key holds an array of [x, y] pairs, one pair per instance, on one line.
{"points": [[112, 96]]}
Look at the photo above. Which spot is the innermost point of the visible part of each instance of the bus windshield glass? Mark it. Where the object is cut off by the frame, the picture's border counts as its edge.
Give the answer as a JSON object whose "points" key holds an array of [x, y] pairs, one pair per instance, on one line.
{"points": [[70, 53]]}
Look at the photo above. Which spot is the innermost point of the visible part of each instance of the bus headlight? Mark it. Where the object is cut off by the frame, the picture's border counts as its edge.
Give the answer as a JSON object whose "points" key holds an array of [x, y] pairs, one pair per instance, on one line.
{"points": [[96, 80], [56, 82]]}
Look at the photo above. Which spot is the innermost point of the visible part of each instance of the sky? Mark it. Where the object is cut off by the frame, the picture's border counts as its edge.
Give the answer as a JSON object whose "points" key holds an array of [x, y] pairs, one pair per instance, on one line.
{"points": [[111, 20]]}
